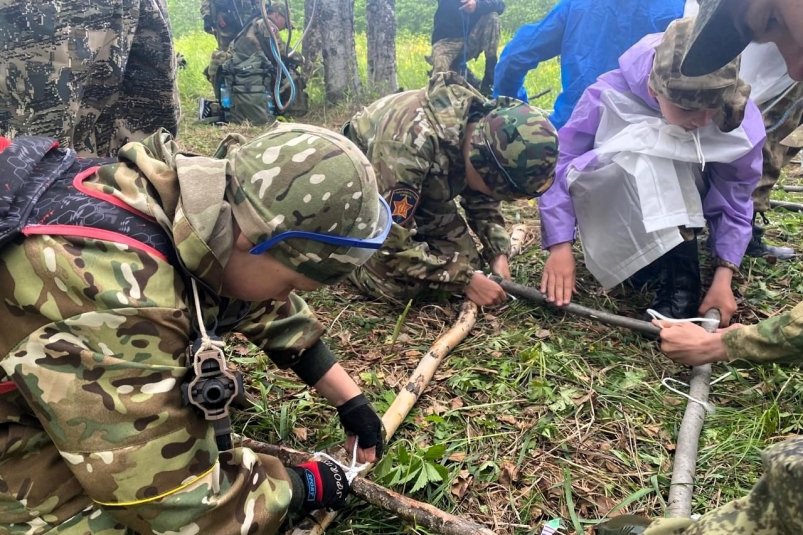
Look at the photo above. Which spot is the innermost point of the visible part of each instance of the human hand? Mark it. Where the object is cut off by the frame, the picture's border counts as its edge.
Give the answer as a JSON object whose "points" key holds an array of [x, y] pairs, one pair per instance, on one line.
{"points": [[364, 427], [469, 6], [500, 266], [690, 344], [558, 281], [484, 292], [331, 489], [722, 299]]}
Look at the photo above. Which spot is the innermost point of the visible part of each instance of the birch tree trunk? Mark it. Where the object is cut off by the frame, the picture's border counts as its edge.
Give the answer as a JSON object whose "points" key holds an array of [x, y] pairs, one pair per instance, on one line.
{"points": [[312, 38], [380, 21], [336, 24]]}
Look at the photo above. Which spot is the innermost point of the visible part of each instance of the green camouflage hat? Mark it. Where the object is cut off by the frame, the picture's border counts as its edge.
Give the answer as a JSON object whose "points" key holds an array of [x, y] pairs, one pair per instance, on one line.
{"points": [[281, 10], [514, 148], [302, 177], [721, 89]]}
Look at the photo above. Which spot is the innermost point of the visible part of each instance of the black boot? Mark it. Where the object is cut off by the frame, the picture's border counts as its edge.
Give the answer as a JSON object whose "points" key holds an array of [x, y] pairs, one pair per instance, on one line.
{"points": [[758, 248], [678, 291]]}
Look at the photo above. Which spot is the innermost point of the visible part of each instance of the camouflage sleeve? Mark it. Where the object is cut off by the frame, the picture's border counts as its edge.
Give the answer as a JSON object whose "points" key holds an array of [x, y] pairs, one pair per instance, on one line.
{"points": [[485, 218], [284, 331], [776, 339], [101, 369]]}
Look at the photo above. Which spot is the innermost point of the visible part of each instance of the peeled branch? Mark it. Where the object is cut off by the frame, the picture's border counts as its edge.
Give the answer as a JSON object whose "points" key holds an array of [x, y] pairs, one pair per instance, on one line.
{"points": [[685, 466], [413, 511]]}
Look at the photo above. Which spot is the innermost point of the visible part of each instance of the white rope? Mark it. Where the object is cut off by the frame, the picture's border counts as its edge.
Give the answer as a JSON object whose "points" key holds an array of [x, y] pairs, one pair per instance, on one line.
{"points": [[351, 471], [206, 342], [658, 316], [695, 135], [709, 408]]}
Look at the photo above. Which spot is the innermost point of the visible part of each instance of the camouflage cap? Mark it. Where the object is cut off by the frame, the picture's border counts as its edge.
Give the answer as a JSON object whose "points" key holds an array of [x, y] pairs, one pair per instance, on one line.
{"points": [[722, 89], [303, 177], [720, 34], [514, 148], [281, 10]]}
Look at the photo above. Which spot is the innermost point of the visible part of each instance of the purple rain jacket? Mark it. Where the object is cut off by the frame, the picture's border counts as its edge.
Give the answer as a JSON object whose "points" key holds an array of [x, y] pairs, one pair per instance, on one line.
{"points": [[727, 206]]}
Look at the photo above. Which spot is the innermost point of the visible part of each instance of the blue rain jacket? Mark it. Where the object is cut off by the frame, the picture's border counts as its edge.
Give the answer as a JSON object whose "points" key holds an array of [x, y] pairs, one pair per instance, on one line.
{"points": [[588, 35]]}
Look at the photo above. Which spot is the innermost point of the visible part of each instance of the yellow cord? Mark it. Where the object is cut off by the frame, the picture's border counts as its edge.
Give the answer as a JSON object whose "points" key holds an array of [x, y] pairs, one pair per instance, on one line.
{"points": [[160, 496]]}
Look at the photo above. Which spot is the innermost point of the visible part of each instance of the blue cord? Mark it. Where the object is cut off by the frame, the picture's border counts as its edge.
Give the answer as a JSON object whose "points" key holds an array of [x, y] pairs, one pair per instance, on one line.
{"points": [[278, 82]]}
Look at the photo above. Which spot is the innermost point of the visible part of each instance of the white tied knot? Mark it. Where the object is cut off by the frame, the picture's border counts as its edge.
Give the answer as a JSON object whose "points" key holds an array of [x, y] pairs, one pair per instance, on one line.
{"points": [[206, 342], [658, 316], [351, 471]]}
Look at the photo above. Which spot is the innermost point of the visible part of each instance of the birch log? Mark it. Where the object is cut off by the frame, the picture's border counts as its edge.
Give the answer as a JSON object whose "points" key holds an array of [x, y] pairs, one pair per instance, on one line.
{"points": [[793, 206], [418, 513], [422, 375], [685, 466]]}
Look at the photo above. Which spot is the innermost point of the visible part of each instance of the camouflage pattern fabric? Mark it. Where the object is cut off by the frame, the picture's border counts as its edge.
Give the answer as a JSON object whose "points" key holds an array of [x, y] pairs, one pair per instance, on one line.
{"points": [[96, 438], [93, 74], [514, 149], [773, 507], [414, 140], [776, 155], [483, 39], [779, 338], [721, 89], [225, 18]]}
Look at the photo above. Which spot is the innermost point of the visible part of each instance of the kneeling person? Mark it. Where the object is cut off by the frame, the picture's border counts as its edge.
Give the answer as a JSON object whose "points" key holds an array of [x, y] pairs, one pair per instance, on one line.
{"points": [[120, 267], [429, 147]]}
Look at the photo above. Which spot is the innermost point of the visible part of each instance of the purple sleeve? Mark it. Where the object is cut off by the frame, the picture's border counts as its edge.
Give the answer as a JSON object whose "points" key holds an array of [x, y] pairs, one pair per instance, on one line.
{"points": [[728, 205], [575, 148]]}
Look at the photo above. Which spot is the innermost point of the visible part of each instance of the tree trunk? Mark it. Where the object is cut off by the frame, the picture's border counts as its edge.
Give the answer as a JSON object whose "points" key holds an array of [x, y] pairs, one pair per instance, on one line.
{"points": [[312, 38], [380, 21], [336, 23]]}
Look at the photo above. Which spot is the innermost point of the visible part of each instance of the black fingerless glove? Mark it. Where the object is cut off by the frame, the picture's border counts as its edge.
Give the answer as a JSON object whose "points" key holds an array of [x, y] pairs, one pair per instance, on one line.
{"points": [[359, 418], [318, 485]]}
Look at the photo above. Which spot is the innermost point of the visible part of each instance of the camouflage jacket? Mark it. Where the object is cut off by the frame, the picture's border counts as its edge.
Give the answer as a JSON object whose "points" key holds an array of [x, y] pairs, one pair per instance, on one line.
{"points": [[96, 437], [774, 339], [414, 139]]}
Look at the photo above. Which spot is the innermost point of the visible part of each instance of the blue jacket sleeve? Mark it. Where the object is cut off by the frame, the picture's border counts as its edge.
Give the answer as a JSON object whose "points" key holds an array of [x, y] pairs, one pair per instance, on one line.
{"points": [[532, 44]]}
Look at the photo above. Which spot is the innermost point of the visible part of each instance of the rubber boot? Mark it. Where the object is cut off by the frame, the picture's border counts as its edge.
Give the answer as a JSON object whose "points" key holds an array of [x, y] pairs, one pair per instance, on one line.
{"points": [[678, 291], [487, 85], [758, 248]]}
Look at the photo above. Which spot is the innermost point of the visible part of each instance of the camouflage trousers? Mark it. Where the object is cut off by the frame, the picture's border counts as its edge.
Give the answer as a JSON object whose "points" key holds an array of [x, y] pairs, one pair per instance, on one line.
{"points": [[447, 54], [773, 507], [776, 156], [95, 75]]}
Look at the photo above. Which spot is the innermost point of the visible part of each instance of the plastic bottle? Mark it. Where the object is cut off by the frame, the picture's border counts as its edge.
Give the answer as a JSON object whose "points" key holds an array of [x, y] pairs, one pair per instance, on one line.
{"points": [[225, 96], [271, 106]]}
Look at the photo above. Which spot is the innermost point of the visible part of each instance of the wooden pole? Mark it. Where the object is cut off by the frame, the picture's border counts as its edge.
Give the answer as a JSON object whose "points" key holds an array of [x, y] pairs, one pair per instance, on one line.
{"points": [[418, 513], [531, 294], [685, 466], [792, 206], [421, 376], [794, 189]]}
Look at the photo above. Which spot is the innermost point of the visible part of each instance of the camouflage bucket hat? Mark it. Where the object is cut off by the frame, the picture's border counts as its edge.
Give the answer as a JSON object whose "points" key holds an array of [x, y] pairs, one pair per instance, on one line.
{"points": [[514, 148], [298, 177], [281, 10], [722, 89]]}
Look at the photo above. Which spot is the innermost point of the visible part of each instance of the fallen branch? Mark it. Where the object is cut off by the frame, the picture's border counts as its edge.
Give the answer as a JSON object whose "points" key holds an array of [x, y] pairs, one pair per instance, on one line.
{"points": [[685, 465], [421, 376], [418, 513], [792, 189], [531, 294], [792, 206]]}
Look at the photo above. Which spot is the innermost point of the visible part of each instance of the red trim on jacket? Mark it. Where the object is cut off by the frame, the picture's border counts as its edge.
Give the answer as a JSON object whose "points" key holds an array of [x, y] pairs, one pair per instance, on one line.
{"points": [[7, 386], [92, 233], [78, 183]]}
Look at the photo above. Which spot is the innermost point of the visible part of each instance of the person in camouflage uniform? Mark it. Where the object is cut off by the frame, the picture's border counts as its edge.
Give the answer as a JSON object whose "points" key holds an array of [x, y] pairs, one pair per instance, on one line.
{"points": [[462, 30], [225, 18], [93, 74], [98, 313], [429, 147]]}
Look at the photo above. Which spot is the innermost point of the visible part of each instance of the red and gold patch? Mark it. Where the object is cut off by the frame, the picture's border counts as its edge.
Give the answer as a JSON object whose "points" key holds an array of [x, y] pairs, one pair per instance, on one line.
{"points": [[403, 202]]}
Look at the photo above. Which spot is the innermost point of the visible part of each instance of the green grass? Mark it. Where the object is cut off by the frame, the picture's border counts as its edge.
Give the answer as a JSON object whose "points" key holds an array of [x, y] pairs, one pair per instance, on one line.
{"points": [[536, 415]]}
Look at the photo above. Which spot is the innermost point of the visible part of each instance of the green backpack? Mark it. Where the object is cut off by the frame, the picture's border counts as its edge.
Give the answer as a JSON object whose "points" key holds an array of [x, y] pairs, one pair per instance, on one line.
{"points": [[243, 78]]}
